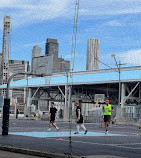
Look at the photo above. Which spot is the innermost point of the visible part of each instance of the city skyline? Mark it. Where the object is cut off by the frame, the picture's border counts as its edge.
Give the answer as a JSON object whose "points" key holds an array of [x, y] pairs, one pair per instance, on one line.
{"points": [[116, 24]]}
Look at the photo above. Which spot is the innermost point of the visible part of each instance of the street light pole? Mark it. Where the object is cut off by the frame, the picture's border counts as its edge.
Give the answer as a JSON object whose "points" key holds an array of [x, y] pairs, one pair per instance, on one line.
{"points": [[103, 63], [6, 107], [118, 67]]}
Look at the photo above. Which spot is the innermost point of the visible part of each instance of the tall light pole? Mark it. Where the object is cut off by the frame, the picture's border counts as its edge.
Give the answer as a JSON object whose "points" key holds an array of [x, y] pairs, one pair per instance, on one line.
{"points": [[6, 107], [118, 67]]}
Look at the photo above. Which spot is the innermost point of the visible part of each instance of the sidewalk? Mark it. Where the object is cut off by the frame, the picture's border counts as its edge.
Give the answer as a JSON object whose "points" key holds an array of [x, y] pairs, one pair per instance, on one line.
{"points": [[8, 154]]}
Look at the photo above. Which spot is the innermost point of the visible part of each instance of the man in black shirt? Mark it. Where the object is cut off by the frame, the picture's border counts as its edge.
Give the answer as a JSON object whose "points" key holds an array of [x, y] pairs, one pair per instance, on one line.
{"points": [[80, 121], [53, 113]]}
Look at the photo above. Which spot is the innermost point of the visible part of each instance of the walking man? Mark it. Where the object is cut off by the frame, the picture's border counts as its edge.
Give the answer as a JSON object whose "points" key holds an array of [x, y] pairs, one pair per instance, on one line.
{"points": [[107, 109], [80, 121], [53, 113]]}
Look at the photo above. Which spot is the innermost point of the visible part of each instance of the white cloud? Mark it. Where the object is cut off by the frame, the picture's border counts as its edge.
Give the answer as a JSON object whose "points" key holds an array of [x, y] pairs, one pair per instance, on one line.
{"points": [[110, 7], [127, 58], [31, 11], [114, 23], [132, 57]]}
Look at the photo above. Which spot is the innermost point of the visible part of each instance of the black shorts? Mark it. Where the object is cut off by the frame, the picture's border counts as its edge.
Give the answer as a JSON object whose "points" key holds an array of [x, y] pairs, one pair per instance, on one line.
{"points": [[52, 120], [107, 118], [81, 120]]}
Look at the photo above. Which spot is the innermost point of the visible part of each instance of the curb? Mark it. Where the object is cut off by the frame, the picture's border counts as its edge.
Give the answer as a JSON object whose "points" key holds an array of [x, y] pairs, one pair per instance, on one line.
{"points": [[35, 152]]}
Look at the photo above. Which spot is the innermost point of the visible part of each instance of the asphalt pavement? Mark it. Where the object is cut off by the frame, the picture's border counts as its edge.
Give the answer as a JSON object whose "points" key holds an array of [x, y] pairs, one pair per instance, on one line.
{"points": [[31, 137]]}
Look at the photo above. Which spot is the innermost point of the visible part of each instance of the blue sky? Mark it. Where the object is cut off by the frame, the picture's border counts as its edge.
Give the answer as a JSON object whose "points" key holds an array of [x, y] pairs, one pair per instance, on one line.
{"points": [[117, 23]]}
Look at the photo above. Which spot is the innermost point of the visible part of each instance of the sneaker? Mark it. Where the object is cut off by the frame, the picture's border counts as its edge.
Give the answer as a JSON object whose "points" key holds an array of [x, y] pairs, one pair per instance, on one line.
{"points": [[85, 132], [49, 130], [58, 130], [76, 133], [106, 132]]}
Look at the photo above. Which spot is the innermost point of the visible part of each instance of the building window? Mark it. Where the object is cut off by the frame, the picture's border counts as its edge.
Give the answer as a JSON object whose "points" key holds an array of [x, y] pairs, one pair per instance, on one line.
{"points": [[11, 61]]}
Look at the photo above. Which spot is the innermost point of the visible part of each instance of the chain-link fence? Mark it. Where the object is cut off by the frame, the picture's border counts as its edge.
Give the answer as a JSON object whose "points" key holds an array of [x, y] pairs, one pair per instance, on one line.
{"points": [[95, 115], [132, 113]]}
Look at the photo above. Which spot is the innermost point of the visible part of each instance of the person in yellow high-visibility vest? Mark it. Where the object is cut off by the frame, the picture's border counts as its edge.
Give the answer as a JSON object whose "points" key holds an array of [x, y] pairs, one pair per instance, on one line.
{"points": [[107, 109]]}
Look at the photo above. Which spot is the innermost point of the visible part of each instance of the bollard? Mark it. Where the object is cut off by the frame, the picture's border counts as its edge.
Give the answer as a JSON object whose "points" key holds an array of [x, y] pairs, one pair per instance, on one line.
{"points": [[5, 121]]}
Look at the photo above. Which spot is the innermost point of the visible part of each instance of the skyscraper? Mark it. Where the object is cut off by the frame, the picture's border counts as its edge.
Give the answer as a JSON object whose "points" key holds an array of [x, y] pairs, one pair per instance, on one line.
{"points": [[5, 52], [0, 62], [92, 53], [51, 47], [5, 49], [36, 52]]}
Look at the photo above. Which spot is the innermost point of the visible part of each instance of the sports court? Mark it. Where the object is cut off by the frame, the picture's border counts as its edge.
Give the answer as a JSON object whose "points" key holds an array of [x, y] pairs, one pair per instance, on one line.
{"points": [[123, 141], [62, 134]]}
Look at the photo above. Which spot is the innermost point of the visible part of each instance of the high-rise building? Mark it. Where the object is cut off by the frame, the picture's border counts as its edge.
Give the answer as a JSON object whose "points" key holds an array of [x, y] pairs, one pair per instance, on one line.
{"points": [[5, 52], [5, 49], [18, 66], [60, 65], [19, 95], [42, 64], [0, 62], [36, 52], [92, 54], [51, 47], [50, 63]]}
